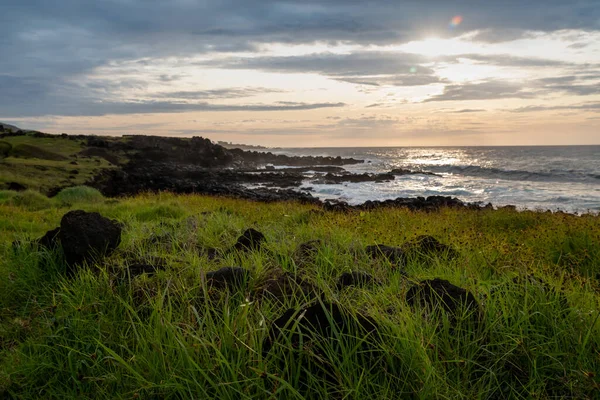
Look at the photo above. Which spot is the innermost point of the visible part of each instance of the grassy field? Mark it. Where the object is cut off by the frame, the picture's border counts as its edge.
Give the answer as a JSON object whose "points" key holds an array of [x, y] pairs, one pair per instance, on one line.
{"points": [[41, 164], [97, 335]]}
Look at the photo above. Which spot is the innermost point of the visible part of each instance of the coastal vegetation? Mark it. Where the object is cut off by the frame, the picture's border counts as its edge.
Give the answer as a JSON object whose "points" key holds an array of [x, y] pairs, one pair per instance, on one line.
{"points": [[145, 322]]}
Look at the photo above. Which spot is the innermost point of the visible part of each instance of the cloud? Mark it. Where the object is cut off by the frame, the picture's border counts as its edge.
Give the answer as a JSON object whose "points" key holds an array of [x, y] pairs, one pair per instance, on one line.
{"points": [[467, 110], [360, 67], [482, 91], [225, 93], [48, 46], [590, 106]]}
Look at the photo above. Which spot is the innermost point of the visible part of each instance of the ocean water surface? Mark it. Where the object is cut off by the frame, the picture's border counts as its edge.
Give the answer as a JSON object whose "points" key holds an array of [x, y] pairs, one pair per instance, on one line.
{"points": [[531, 177]]}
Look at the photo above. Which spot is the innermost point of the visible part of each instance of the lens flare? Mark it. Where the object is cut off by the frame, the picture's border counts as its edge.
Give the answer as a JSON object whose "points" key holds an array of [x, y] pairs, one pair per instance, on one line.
{"points": [[456, 21]]}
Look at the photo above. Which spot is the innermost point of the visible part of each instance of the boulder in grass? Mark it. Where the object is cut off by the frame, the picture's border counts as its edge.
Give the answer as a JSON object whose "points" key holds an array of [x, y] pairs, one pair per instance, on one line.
{"points": [[85, 236], [318, 322], [359, 279], [394, 255], [251, 239], [439, 294], [314, 339], [50, 240], [282, 285], [227, 277], [428, 245]]}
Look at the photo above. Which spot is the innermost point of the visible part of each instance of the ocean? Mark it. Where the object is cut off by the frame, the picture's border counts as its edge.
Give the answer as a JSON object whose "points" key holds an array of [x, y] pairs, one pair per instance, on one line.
{"points": [[554, 178]]}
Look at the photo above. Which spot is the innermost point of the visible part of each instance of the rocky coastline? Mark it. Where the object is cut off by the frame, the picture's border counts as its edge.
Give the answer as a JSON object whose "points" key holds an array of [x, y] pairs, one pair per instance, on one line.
{"points": [[140, 163]]}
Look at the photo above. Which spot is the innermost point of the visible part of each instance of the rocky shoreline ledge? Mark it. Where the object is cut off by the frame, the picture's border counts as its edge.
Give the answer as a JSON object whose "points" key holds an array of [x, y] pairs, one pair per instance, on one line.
{"points": [[142, 163]]}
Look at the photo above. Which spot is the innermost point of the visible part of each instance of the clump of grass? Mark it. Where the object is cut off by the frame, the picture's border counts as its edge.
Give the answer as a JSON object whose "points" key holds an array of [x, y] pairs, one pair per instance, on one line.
{"points": [[79, 194], [30, 200], [6, 195], [163, 211], [5, 149]]}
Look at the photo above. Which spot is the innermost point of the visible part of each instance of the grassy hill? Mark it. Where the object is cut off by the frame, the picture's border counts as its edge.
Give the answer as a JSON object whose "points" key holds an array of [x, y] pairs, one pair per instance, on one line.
{"points": [[45, 163], [109, 333]]}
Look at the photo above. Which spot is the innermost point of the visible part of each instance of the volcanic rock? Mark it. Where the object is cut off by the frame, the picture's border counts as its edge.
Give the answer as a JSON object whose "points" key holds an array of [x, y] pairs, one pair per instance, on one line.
{"points": [[439, 294], [50, 239], [394, 255], [251, 239], [85, 236], [227, 277], [355, 278], [321, 321]]}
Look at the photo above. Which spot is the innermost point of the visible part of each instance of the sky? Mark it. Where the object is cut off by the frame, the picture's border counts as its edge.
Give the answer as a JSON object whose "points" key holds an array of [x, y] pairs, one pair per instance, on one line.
{"points": [[306, 73]]}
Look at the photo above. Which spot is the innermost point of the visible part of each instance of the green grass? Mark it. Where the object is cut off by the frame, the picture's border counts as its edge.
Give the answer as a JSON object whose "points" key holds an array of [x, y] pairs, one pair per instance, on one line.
{"points": [[43, 164], [167, 336], [78, 194]]}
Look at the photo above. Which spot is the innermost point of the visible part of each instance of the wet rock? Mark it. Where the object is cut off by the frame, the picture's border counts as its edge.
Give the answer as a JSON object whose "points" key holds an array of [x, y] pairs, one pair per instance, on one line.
{"points": [[337, 206], [402, 171], [394, 255], [227, 277], [331, 179], [251, 239], [283, 285], [86, 236], [439, 294], [50, 240], [355, 278], [321, 321]]}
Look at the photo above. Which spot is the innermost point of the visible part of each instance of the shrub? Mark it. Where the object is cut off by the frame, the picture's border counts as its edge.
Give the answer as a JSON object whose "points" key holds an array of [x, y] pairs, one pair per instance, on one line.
{"points": [[79, 194], [31, 200], [160, 212], [6, 195], [5, 149]]}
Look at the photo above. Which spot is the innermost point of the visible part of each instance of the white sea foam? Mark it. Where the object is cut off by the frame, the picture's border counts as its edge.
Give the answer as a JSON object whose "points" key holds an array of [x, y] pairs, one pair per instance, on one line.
{"points": [[557, 178]]}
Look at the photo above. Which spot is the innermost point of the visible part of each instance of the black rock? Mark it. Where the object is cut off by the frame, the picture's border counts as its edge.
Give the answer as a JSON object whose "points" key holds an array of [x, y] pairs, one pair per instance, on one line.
{"points": [[140, 268], [428, 245], [394, 255], [356, 278], [16, 186], [85, 236], [281, 285], [320, 321], [227, 277], [50, 240], [307, 250], [439, 294], [251, 239]]}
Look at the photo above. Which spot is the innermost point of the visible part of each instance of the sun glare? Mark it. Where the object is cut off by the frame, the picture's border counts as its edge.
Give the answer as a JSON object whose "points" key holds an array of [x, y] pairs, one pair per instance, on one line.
{"points": [[434, 46]]}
